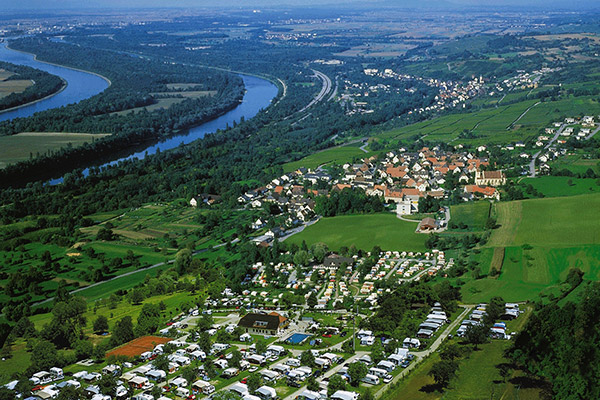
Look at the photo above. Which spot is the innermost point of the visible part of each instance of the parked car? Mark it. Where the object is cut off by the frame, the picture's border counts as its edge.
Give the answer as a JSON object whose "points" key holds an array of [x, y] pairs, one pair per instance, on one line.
{"points": [[405, 363], [253, 369]]}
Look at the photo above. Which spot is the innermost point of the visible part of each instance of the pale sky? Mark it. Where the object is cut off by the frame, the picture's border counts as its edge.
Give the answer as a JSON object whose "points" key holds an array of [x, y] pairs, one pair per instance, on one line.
{"points": [[83, 4]]}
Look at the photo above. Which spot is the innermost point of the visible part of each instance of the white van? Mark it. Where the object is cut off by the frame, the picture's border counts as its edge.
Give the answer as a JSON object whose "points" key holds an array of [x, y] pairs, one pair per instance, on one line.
{"points": [[182, 392], [371, 379]]}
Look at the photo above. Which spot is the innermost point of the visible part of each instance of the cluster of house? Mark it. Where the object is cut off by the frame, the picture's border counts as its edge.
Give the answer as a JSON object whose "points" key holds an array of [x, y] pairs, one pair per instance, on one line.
{"points": [[434, 321], [404, 177], [401, 177], [450, 94], [498, 330], [523, 80]]}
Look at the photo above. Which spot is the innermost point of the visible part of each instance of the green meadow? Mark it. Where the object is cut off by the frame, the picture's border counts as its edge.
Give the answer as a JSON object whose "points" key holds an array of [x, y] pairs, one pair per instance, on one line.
{"points": [[556, 186], [543, 239], [339, 155], [23, 146], [472, 214], [364, 231]]}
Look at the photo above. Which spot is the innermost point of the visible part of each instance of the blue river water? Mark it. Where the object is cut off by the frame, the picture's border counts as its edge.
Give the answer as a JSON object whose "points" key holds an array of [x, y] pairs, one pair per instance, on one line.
{"points": [[81, 85]]}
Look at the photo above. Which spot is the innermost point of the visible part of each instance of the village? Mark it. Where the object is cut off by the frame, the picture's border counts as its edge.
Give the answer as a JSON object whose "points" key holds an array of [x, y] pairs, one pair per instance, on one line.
{"points": [[401, 178]]}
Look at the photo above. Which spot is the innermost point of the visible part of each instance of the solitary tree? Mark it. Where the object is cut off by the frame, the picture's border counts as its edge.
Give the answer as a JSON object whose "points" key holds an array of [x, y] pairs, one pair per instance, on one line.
{"points": [[312, 384], [261, 346], [307, 358], [335, 383], [477, 334], [357, 371], [442, 372], [254, 381], [312, 300], [101, 324]]}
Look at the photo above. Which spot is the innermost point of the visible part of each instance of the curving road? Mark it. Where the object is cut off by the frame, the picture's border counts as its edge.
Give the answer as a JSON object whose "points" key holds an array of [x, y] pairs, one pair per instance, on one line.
{"points": [[325, 89], [536, 155]]}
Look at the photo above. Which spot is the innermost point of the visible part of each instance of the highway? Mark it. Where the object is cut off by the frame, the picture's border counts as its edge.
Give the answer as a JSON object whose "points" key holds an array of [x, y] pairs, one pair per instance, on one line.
{"points": [[325, 89]]}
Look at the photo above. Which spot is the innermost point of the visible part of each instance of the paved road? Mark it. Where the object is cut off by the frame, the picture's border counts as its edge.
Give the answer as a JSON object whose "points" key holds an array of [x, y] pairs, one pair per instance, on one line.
{"points": [[363, 147], [400, 261], [419, 355], [133, 272], [299, 229], [536, 155], [591, 135], [521, 116], [335, 91], [325, 89]]}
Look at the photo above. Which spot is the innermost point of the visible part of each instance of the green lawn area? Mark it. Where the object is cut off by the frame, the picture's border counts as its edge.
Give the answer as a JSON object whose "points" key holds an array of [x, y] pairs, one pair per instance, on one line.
{"points": [[339, 155], [472, 214], [363, 231], [555, 186]]}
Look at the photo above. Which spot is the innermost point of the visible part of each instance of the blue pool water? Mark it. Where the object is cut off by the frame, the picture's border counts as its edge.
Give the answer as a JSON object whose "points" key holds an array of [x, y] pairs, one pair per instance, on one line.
{"points": [[297, 338]]}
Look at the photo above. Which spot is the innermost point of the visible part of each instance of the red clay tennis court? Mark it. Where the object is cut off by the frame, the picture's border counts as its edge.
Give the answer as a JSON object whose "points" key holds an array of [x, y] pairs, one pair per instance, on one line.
{"points": [[138, 346]]}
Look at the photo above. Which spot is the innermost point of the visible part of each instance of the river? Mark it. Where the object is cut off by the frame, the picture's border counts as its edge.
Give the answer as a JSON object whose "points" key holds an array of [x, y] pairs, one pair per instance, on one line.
{"points": [[81, 85]]}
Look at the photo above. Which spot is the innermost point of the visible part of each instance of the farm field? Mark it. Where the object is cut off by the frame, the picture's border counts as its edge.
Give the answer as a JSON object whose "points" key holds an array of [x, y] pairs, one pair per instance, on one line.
{"points": [[576, 164], [489, 124], [339, 155], [556, 186], [165, 100], [542, 242], [22, 146], [13, 86], [473, 214], [498, 125], [363, 231]]}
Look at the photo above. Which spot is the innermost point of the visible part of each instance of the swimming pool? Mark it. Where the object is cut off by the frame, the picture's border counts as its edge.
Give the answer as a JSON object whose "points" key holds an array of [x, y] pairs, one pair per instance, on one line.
{"points": [[297, 338]]}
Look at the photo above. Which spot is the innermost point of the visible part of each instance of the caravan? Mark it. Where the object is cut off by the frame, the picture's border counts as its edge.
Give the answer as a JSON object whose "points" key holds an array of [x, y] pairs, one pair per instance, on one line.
{"points": [[370, 379]]}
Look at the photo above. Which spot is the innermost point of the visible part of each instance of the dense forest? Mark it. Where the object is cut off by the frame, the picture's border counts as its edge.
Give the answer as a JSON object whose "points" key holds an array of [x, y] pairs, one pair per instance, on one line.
{"points": [[133, 81], [560, 343], [44, 85]]}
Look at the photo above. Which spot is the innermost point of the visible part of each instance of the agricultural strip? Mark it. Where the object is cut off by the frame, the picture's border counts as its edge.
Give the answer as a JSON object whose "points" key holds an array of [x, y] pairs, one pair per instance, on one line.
{"points": [[24, 145]]}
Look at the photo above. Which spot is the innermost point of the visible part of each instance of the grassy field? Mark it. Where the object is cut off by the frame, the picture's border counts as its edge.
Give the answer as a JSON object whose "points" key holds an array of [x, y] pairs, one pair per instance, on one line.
{"points": [[543, 239], [555, 186], [556, 222], [473, 214], [24, 145], [14, 86], [577, 164], [364, 231], [477, 377], [339, 155], [165, 100]]}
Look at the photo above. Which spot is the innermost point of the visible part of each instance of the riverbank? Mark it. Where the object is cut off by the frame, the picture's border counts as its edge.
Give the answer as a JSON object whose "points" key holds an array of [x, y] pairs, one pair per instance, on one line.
{"points": [[63, 87], [35, 58]]}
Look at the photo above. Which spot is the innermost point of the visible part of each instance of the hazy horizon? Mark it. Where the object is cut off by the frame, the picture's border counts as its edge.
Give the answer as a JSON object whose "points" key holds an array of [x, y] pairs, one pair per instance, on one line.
{"points": [[40, 5]]}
